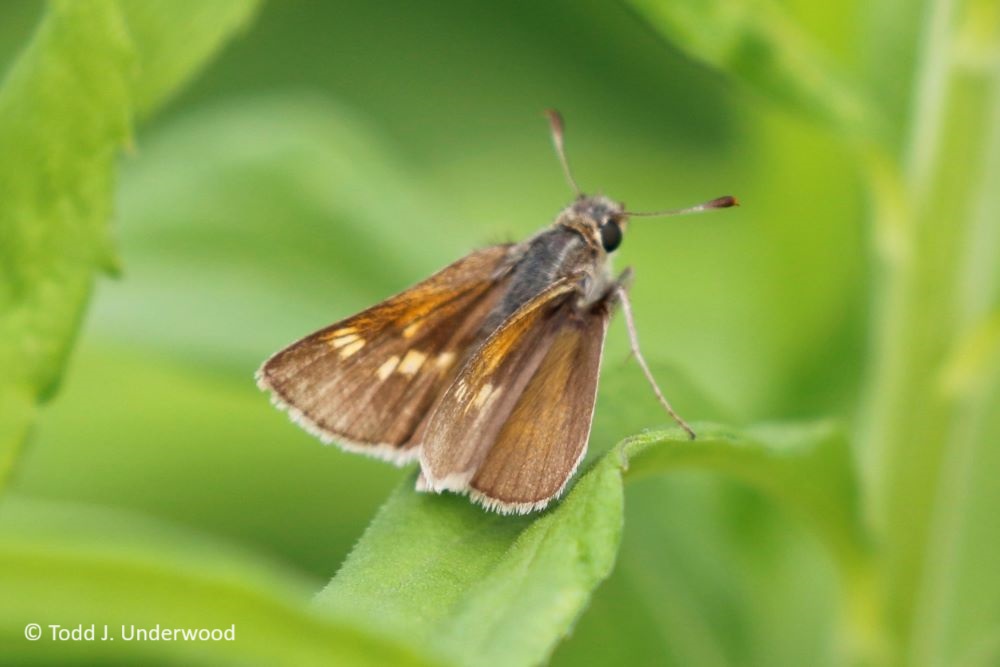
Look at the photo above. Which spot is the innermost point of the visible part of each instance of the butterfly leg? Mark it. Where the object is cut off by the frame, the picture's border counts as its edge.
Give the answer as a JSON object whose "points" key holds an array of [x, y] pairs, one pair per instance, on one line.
{"points": [[621, 294]]}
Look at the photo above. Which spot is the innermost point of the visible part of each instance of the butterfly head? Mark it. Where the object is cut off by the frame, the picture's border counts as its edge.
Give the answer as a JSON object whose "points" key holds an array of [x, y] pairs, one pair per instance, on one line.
{"points": [[600, 220]]}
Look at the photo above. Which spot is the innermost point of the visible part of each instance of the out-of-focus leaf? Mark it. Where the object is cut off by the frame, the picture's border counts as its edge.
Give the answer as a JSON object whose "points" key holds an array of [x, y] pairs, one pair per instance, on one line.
{"points": [[73, 566], [17, 21], [248, 474], [65, 109], [314, 219], [973, 363], [893, 35], [175, 38], [807, 469], [758, 44], [709, 573], [487, 589]]}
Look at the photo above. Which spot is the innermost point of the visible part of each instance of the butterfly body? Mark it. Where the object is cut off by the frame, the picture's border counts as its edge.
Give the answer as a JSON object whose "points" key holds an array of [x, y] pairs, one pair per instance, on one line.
{"points": [[494, 357]]}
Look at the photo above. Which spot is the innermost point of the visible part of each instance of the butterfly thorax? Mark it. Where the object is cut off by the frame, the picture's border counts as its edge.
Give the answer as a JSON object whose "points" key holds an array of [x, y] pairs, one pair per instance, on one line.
{"points": [[572, 247]]}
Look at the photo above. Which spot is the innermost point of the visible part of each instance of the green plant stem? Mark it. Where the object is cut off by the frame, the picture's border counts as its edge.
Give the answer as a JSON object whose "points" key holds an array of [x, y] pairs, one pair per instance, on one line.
{"points": [[970, 380], [912, 424]]}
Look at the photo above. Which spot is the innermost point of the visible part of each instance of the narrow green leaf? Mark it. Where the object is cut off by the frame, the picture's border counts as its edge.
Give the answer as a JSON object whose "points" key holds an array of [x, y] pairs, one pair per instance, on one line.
{"points": [[65, 110], [71, 566], [480, 588], [545, 579], [758, 44], [486, 589], [176, 38]]}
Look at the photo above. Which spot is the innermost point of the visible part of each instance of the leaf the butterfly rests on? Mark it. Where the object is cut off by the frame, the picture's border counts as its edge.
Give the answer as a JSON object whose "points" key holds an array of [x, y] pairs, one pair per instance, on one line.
{"points": [[367, 382]]}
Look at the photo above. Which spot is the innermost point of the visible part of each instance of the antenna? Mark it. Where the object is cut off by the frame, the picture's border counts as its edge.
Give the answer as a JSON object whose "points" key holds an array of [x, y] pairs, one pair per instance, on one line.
{"points": [[556, 123], [718, 202]]}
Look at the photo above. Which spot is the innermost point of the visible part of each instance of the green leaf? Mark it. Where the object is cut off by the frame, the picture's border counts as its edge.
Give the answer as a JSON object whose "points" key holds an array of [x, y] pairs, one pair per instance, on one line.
{"points": [[755, 42], [806, 468], [480, 588], [73, 565], [486, 589], [176, 38], [709, 573], [65, 109], [316, 218]]}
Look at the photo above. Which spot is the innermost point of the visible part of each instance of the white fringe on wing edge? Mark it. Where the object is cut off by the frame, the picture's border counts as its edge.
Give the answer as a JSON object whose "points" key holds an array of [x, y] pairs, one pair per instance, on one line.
{"points": [[381, 451], [459, 483]]}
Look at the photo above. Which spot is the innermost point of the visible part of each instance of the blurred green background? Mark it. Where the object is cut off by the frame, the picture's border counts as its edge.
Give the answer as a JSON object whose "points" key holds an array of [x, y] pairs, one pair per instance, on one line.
{"points": [[336, 152]]}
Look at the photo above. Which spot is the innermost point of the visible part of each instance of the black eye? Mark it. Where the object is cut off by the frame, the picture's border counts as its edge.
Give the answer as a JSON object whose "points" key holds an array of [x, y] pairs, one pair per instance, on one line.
{"points": [[611, 235]]}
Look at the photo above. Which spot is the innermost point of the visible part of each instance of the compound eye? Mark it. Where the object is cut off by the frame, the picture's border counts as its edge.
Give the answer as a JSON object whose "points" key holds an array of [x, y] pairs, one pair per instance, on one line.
{"points": [[611, 235]]}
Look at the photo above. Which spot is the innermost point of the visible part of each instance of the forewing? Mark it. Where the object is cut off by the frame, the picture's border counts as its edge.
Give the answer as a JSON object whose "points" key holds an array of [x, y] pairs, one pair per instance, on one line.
{"points": [[514, 426], [368, 381]]}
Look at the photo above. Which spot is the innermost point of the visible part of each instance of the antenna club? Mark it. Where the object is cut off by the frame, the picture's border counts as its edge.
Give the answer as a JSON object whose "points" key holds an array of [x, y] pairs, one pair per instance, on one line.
{"points": [[555, 120], [723, 202]]}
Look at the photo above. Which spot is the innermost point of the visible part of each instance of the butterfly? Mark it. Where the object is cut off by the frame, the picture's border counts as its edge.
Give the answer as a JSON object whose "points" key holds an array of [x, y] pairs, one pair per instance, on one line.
{"points": [[486, 372]]}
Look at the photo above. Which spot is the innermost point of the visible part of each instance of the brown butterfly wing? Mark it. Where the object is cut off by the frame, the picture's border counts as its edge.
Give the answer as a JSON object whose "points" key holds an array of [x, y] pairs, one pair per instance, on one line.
{"points": [[514, 426], [545, 438], [368, 381]]}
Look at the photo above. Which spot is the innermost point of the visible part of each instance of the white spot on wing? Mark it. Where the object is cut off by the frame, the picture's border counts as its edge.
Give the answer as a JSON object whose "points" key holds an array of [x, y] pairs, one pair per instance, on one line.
{"points": [[486, 396], [445, 359], [347, 339], [352, 348], [483, 394], [411, 363], [411, 331], [386, 369]]}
